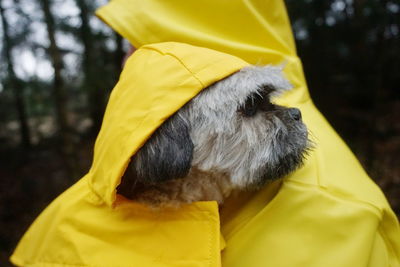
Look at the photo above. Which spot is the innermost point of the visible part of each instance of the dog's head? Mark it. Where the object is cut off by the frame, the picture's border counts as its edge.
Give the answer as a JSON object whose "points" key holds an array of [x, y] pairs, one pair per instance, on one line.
{"points": [[231, 127]]}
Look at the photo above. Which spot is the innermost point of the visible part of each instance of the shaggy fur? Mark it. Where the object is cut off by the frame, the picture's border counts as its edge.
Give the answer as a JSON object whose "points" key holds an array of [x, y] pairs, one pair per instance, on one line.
{"points": [[197, 185], [229, 137]]}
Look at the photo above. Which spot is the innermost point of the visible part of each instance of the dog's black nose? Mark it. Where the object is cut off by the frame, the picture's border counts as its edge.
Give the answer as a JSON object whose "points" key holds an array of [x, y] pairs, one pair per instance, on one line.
{"points": [[295, 113]]}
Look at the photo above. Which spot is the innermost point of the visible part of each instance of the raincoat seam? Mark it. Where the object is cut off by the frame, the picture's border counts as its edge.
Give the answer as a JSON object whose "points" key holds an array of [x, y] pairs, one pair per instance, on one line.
{"points": [[378, 213], [209, 244], [388, 243], [107, 197], [93, 192], [59, 264], [180, 61], [33, 264]]}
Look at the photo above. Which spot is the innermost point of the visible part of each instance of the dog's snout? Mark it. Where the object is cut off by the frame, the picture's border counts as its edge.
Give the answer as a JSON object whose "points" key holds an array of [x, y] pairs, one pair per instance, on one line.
{"points": [[295, 113]]}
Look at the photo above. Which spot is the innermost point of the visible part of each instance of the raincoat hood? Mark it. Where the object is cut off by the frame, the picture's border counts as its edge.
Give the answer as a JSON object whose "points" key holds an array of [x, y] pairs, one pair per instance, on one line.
{"points": [[157, 80], [328, 213]]}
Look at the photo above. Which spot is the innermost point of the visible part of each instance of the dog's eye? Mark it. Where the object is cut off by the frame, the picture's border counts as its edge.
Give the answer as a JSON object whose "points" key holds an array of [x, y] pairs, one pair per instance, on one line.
{"points": [[252, 105]]}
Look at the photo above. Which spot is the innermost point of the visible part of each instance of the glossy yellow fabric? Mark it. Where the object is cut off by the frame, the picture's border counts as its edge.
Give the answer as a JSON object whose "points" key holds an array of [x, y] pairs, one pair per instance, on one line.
{"points": [[328, 213], [89, 225]]}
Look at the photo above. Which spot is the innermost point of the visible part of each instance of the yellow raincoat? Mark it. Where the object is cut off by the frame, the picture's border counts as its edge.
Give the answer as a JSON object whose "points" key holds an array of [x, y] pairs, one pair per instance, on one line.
{"points": [[328, 213]]}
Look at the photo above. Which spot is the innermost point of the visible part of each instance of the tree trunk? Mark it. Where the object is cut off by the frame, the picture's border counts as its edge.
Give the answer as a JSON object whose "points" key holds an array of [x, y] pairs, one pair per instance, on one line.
{"points": [[95, 92], [67, 139], [15, 83]]}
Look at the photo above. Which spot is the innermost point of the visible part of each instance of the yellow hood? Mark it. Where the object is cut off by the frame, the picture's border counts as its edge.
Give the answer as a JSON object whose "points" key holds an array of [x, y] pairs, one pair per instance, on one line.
{"points": [[89, 225], [328, 213]]}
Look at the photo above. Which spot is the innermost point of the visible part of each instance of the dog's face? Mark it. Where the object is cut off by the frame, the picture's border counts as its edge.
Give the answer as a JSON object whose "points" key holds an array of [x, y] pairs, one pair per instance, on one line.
{"points": [[230, 127], [236, 129]]}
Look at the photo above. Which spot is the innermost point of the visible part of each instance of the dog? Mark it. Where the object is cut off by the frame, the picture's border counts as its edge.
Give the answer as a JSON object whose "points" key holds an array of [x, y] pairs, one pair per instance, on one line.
{"points": [[230, 137]]}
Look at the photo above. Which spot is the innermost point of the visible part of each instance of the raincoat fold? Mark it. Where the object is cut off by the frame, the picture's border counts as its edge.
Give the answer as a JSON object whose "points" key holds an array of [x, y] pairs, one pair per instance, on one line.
{"points": [[328, 213]]}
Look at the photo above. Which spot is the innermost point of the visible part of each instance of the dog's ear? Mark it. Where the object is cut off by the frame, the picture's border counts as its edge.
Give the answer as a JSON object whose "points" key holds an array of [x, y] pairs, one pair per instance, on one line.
{"points": [[166, 155]]}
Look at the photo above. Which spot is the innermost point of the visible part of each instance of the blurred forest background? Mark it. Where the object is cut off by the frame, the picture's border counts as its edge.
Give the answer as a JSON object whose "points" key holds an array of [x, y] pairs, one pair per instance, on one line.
{"points": [[59, 63]]}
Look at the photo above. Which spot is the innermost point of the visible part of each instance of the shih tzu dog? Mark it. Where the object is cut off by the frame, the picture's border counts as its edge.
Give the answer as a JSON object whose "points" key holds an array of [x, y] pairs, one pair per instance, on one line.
{"points": [[229, 137]]}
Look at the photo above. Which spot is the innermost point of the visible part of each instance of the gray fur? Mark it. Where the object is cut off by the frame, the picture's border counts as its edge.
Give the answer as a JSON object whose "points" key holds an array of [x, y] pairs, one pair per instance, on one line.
{"points": [[167, 154], [251, 149], [219, 132]]}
